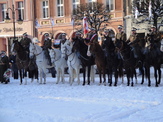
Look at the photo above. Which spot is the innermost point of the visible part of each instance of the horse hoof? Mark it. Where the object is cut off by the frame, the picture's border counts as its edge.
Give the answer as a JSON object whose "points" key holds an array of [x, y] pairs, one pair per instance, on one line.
{"points": [[110, 85], [156, 85], [149, 85]]}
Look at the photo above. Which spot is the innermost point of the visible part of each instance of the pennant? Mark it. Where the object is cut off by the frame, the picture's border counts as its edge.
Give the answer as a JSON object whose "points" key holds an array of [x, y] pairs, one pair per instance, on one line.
{"points": [[85, 25], [52, 22], [150, 10]]}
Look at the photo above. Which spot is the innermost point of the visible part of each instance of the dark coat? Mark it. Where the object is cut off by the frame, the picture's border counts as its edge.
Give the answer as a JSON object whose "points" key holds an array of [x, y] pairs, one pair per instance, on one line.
{"points": [[47, 44], [4, 65], [14, 67], [25, 42]]}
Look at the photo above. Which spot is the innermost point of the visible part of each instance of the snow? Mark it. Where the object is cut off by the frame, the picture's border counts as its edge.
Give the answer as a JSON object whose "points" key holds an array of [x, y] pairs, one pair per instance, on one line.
{"points": [[52, 102]]}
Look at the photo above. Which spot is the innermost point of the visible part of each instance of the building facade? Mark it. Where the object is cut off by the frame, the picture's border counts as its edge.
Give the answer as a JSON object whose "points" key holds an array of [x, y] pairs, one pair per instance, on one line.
{"points": [[25, 9], [48, 16]]}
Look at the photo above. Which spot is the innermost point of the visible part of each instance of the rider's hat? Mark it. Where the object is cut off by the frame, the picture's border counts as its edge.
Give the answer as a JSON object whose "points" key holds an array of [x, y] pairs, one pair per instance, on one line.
{"points": [[153, 26], [25, 34], [46, 34], [63, 34], [120, 26], [133, 29]]}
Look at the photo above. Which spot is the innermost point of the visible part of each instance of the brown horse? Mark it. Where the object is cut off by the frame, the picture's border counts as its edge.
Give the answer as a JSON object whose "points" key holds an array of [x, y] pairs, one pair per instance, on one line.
{"points": [[22, 61], [100, 61]]}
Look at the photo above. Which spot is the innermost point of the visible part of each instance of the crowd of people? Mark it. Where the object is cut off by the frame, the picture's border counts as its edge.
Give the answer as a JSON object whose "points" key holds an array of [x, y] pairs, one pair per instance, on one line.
{"points": [[134, 41]]}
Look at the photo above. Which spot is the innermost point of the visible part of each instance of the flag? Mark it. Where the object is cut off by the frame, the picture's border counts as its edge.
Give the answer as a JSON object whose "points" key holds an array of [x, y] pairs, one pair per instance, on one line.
{"points": [[85, 25], [136, 12], [52, 21], [37, 24], [72, 22], [150, 10]]}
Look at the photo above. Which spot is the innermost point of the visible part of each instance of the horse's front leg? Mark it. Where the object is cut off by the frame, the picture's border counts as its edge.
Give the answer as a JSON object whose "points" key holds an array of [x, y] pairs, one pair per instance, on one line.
{"points": [[84, 72], [62, 75], [25, 76], [70, 76], [104, 78], [155, 74], [58, 75], [20, 73], [78, 74]]}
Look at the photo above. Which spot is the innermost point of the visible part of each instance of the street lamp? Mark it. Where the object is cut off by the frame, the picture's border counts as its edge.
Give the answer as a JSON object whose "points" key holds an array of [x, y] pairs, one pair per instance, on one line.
{"points": [[7, 19]]}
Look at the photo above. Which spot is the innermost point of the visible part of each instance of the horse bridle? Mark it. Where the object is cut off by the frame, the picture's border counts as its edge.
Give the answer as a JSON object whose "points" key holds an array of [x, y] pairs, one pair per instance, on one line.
{"points": [[36, 51]]}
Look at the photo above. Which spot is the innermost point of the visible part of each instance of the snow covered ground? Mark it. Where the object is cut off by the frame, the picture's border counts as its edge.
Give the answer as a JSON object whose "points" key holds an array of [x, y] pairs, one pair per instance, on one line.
{"points": [[64, 103]]}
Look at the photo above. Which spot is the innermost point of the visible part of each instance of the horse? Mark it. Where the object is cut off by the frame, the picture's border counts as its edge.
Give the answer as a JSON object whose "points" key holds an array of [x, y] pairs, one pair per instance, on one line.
{"points": [[114, 62], [87, 62], [153, 57], [100, 61], [130, 63], [59, 63], [73, 62], [41, 61], [23, 62]]}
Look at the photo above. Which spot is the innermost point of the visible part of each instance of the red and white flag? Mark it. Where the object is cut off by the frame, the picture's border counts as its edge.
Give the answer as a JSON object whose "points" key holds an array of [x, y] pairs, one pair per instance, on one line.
{"points": [[85, 25]]}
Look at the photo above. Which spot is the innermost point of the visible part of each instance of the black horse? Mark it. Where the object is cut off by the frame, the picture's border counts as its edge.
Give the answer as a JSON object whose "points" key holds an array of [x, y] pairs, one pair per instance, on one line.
{"points": [[130, 63], [86, 61], [153, 57], [114, 62], [23, 62]]}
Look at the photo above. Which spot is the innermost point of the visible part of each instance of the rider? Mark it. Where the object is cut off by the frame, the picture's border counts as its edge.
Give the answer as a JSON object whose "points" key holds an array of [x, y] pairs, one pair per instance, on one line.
{"points": [[157, 38], [133, 41], [105, 42], [121, 35], [47, 45], [25, 42]]}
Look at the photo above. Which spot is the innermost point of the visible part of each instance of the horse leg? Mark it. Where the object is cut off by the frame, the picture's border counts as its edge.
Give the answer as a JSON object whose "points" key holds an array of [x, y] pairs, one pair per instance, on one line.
{"points": [[58, 72], [116, 77], [20, 73], [92, 74], [78, 75], [155, 74], [88, 74], [128, 77], [142, 71], [41, 74], [104, 77], [84, 72], [159, 73], [44, 76], [133, 71], [100, 76], [136, 80], [25, 76]]}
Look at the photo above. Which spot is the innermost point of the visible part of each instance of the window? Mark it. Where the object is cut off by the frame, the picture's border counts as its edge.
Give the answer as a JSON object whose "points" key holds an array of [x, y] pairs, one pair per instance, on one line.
{"points": [[45, 6], [91, 3], [110, 4], [76, 3], [60, 8], [4, 10], [21, 9]]}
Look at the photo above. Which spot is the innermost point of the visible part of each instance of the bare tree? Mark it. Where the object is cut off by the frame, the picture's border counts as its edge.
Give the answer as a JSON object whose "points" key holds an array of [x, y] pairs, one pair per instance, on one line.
{"points": [[144, 8], [97, 16]]}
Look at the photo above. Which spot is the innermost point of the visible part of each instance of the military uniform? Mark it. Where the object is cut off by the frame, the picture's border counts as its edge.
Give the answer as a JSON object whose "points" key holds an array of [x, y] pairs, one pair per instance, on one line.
{"points": [[134, 41], [120, 36], [47, 45], [4, 65]]}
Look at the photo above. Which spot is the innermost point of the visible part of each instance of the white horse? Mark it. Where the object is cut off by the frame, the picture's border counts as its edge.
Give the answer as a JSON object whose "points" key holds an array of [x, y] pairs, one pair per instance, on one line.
{"points": [[59, 63], [73, 62], [41, 60]]}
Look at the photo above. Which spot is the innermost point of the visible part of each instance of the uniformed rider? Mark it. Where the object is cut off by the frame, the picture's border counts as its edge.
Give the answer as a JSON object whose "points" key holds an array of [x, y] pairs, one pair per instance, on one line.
{"points": [[93, 37], [133, 41], [25, 42], [121, 35], [47, 45]]}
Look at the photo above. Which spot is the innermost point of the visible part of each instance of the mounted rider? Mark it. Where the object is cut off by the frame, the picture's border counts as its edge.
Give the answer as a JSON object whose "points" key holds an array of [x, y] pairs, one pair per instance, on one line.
{"points": [[156, 39], [134, 41], [25, 42], [107, 41], [47, 45]]}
